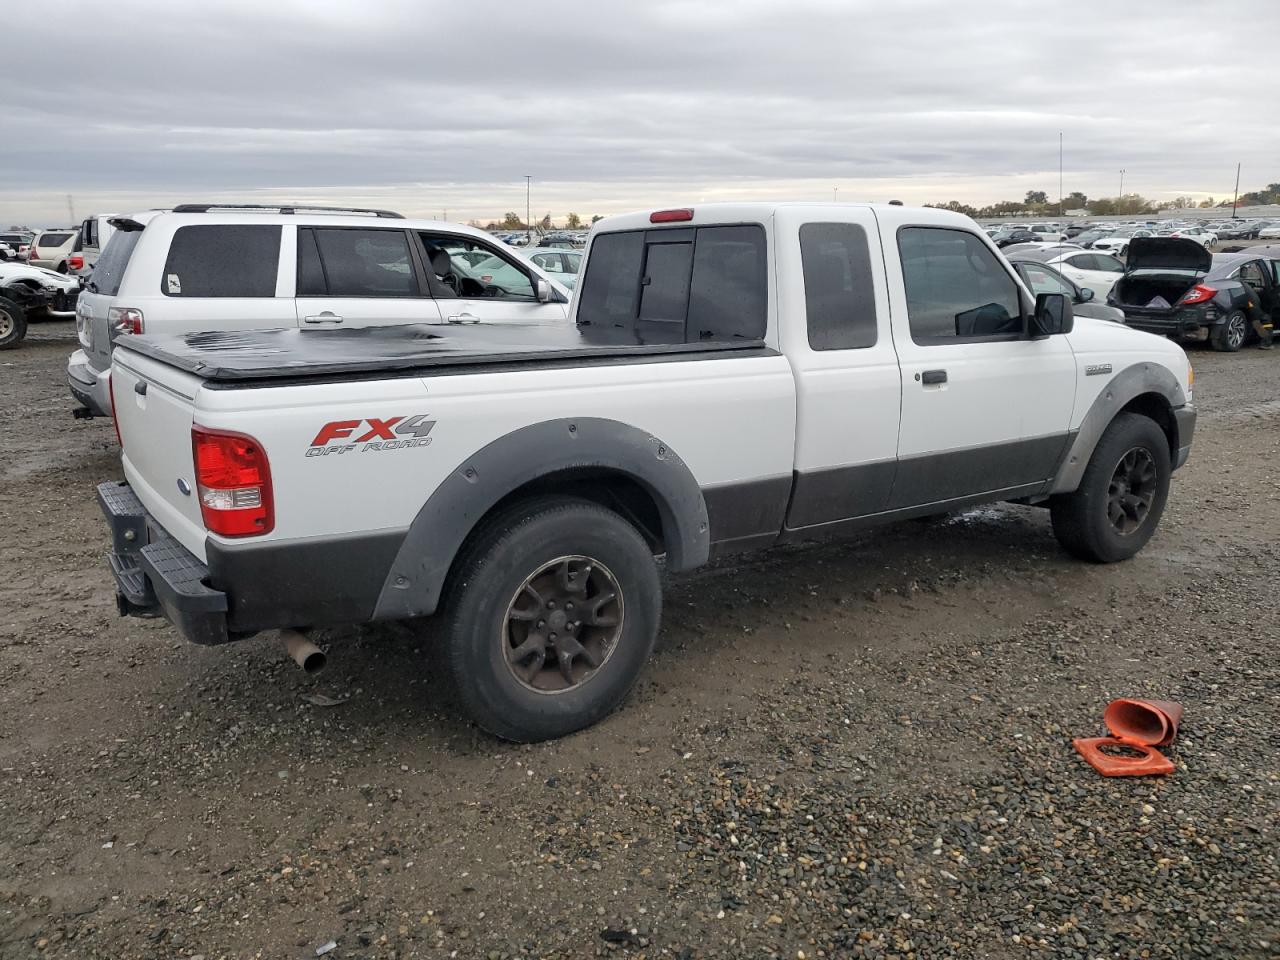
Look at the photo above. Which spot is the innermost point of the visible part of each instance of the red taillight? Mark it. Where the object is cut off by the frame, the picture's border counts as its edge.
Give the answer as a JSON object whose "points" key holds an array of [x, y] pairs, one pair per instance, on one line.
{"points": [[671, 216], [115, 419], [1198, 294], [125, 319], [75, 263], [233, 480]]}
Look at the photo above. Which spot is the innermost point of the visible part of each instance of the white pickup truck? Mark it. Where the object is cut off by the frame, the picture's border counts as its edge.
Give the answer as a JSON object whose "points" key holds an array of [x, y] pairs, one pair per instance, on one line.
{"points": [[735, 376]]}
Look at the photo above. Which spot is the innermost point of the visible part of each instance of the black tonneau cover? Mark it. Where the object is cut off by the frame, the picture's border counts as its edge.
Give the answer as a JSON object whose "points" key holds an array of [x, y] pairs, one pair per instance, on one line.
{"points": [[248, 355]]}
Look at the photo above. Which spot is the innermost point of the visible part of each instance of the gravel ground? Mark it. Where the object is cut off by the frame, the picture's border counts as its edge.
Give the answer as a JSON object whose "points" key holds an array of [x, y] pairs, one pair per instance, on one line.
{"points": [[859, 749]]}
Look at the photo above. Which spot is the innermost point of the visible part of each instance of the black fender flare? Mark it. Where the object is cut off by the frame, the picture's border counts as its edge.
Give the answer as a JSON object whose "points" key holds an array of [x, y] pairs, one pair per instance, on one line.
{"points": [[1131, 382], [417, 576]]}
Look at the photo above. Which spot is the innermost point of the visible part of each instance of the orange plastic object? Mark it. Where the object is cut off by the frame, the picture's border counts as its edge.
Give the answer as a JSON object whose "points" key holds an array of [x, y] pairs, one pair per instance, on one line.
{"points": [[1151, 762], [1139, 725], [1153, 722]]}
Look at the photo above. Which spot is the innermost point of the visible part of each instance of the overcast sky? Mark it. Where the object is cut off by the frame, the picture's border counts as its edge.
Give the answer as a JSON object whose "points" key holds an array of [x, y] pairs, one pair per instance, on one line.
{"points": [[429, 107]]}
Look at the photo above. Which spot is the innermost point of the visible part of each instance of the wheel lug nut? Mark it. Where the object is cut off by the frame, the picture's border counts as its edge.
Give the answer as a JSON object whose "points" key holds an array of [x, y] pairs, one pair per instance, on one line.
{"points": [[569, 605], [541, 624], [553, 636], [551, 604]]}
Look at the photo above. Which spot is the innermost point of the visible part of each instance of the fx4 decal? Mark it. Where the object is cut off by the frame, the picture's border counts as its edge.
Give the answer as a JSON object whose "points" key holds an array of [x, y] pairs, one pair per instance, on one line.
{"points": [[372, 434]]}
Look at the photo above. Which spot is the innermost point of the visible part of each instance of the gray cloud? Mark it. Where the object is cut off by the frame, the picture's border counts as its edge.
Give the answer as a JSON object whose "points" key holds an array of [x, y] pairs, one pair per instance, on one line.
{"points": [[610, 104]]}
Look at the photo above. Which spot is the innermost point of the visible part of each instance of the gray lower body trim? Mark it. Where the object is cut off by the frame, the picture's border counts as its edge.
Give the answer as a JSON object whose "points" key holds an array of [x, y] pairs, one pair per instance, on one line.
{"points": [[942, 477], [854, 525], [746, 516], [301, 583], [837, 494]]}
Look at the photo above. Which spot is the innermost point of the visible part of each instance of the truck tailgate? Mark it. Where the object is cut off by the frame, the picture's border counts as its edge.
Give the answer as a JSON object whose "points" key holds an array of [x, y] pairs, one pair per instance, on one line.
{"points": [[154, 406]]}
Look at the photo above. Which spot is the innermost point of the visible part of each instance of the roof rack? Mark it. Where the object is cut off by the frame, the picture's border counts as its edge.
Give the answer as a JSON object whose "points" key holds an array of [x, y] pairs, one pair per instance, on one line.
{"points": [[289, 209]]}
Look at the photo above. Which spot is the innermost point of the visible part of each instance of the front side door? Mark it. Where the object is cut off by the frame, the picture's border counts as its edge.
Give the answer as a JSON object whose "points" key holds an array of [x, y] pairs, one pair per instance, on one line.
{"points": [[984, 409], [360, 277], [477, 283]]}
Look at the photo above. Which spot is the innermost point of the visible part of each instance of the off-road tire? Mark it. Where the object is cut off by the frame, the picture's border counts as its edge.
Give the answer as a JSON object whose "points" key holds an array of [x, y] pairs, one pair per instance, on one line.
{"points": [[483, 588], [1081, 521], [13, 324], [1232, 333]]}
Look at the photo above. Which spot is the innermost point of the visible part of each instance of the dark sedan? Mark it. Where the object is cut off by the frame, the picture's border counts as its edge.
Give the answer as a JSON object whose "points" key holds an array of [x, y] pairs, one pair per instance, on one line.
{"points": [[1174, 286]]}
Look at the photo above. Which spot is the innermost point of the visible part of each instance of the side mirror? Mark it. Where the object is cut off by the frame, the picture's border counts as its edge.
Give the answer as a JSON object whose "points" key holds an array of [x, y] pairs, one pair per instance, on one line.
{"points": [[1053, 315], [542, 291], [1086, 294]]}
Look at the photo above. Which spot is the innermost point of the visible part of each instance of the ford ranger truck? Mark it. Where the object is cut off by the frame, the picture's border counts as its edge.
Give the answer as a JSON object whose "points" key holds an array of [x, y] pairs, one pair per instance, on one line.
{"points": [[736, 376]]}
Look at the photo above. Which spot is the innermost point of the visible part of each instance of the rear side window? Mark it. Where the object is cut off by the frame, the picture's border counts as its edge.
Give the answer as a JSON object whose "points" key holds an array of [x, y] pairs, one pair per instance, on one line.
{"points": [[680, 285], [222, 260], [956, 288], [838, 290], [356, 263], [109, 270], [53, 239]]}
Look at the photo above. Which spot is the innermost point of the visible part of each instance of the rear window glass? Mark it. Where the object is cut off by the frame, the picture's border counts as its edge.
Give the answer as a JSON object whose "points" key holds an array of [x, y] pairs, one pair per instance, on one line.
{"points": [[611, 286], [222, 260], [838, 289], [109, 270], [53, 239], [679, 284]]}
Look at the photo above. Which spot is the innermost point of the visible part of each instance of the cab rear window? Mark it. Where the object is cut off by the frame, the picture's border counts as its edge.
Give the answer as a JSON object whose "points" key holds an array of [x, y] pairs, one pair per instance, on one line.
{"points": [[678, 285], [222, 260]]}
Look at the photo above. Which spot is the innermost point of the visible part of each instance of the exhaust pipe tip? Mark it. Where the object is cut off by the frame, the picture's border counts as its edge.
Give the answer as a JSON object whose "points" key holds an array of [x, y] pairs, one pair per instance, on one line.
{"points": [[303, 652]]}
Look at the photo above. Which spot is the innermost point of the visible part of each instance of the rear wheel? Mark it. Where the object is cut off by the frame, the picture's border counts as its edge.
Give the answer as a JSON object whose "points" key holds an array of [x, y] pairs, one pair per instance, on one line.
{"points": [[552, 614], [1121, 496], [13, 324], [1230, 335]]}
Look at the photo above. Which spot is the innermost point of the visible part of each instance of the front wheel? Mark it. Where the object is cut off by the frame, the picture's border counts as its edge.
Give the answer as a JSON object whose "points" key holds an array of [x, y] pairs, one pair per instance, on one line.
{"points": [[1121, 497], [1230, 335], [552, 613], [13, 324]]}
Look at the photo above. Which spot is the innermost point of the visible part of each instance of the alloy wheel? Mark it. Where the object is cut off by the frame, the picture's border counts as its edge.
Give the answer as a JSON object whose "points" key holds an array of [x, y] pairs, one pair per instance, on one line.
{"points": [[562, 624], [1132, 491]]}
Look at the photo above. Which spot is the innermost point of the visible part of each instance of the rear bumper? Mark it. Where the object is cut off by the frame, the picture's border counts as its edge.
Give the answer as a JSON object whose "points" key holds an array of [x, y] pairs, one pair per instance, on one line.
{"points": [[88, 386], [1185, 322], [155, 575]]}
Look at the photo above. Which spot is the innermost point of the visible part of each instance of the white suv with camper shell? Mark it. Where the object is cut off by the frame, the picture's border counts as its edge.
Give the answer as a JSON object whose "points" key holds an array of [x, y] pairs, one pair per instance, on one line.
{"points": [[202, 268]]}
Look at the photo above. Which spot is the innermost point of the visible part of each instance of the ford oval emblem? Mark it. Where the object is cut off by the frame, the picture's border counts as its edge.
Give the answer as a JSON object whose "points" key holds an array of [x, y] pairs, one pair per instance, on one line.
{"points": [[184, 488]]}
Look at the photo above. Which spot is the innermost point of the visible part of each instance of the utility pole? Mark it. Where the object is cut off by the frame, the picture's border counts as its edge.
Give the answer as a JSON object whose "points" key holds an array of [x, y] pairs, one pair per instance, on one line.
{"points": [[1235, 196], [528, 208], [1122, 184], [71, 209], [1060, 194], [835, 194]]}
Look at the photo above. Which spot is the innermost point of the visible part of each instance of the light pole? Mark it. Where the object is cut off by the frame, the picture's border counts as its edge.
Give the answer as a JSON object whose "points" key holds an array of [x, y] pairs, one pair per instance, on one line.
{"points": [[835, 194], [1122, 184], [1236, 195], [1059, 173], [528, 214]]}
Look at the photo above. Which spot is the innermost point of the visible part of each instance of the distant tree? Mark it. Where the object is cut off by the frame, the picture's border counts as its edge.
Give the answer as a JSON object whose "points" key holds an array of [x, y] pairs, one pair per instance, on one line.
{"points": [[1254, 198], [596, 217], [512, 221], [957, 206], [1076, 200], [545, 224], [1206, 203], [574, 222], [1036, 196]]}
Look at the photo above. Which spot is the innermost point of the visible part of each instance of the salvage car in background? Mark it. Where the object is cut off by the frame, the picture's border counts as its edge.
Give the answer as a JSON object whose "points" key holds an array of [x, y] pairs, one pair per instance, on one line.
{"points": [[1118, 242], [32, 293], [19, 243], [1174, 286], [53, 249]]}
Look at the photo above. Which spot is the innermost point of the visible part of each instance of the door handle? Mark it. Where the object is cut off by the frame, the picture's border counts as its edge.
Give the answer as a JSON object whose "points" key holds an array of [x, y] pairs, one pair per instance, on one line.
{"points": [[325, 316], [463, 318], [930, 377]]}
